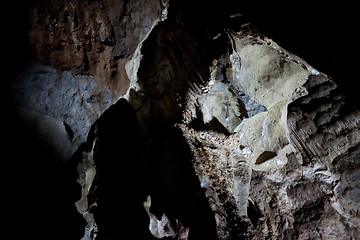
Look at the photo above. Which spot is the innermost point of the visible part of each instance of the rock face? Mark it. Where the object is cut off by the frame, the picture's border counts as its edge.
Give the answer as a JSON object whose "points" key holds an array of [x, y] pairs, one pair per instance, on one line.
{"points": [[252, 175], [185, 131], [80, 52]]}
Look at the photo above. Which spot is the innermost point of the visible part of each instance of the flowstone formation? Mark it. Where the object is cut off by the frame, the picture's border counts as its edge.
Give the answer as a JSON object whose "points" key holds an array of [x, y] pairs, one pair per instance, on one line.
{"points": [[184, 131], [254, 172]]}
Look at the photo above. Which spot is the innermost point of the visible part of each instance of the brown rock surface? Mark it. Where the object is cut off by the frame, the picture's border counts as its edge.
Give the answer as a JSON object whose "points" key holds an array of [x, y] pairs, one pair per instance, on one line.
{"points": [[80, 50], [160, 119]]}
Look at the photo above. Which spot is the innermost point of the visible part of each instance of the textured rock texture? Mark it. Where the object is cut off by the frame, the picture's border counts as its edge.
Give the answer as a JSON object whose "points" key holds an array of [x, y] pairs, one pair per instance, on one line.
{"points": [[80, 51], [157, 120], [253, 175]]}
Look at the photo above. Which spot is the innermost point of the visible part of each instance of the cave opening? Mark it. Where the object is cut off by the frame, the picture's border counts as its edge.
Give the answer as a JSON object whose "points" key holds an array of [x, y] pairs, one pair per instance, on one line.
{"points": [[120, 174], [131, 165]]}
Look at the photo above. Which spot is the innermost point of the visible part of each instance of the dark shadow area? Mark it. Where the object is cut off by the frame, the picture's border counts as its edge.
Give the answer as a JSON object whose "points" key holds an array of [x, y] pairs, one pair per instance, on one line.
{"points": [[254, 213], [131, 166], [16, 50], [175, 188], [39, 191], [267, 155], [121, 175]]}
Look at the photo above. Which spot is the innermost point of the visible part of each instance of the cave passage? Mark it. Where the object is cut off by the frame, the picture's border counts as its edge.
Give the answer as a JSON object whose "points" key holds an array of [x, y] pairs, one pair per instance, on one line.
{"points": [[131, 165]]}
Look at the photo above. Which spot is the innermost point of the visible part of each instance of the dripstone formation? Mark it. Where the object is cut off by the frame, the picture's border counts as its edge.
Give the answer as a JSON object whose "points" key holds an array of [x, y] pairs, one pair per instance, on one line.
{"points": [[166, 123]]}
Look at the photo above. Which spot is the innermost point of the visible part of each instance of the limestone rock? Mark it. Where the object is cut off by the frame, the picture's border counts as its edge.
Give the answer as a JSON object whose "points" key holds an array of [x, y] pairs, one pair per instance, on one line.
{"points": [[80, 52], [73, 100], [292, 145], [229, 114], [231, 135], [164, 228], [87, 203]]}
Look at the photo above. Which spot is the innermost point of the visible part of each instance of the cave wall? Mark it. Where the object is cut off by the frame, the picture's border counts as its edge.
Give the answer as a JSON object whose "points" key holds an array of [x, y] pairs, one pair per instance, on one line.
{"points": [[160, 119], [79, 54]]}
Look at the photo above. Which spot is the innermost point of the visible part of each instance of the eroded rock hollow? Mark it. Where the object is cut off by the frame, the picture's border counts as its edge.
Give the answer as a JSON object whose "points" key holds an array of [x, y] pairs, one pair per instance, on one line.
{"points": [[161, 119]]}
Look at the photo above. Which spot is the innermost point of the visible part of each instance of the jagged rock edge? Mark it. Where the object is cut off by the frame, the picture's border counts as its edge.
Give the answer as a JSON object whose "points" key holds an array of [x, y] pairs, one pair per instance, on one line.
{"points": [[133, 65]]}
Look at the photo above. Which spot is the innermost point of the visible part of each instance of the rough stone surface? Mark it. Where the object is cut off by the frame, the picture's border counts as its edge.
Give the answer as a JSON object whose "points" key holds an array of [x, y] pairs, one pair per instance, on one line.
{"points": [[151, 120], [164, 227], [81, 49], [72, 100], [277, 173]]}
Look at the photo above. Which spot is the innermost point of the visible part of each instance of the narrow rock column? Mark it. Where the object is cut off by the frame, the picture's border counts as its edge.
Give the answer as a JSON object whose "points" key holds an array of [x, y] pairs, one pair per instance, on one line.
{"points": [[242, 176], [87, 172]]}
